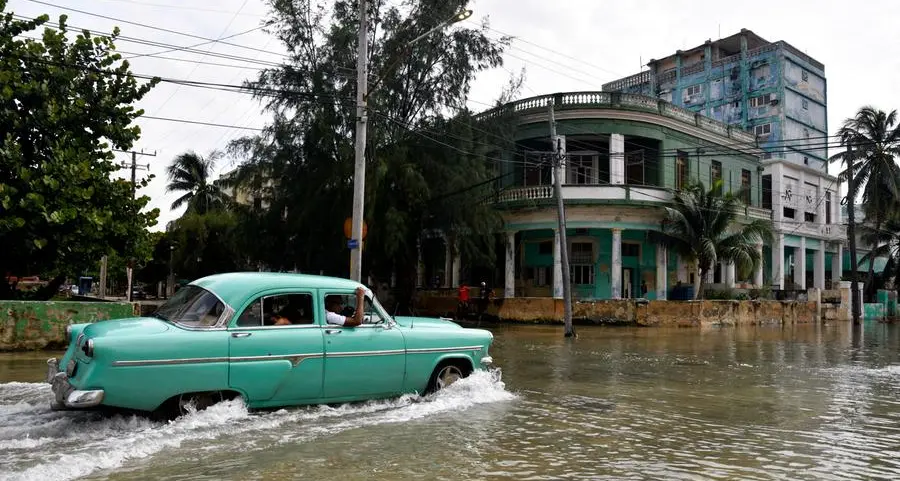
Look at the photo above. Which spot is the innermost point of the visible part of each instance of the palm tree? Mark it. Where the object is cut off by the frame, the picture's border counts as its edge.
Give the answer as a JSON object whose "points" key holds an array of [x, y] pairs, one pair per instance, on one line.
{"points": [[701, 226], [885, 243], [190, 173], [875, 142]]}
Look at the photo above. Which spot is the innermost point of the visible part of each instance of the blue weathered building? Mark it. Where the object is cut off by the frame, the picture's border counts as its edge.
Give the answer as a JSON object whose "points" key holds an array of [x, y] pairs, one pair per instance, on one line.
{"points": [[779, 94], [771, 89]]}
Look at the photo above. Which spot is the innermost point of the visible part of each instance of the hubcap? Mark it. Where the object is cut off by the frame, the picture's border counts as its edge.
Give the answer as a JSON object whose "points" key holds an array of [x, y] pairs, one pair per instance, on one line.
{"points": [[448, 376]]}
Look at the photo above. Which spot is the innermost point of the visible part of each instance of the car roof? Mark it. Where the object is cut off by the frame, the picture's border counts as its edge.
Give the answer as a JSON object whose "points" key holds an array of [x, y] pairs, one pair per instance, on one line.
{"points": [[235, 287]]}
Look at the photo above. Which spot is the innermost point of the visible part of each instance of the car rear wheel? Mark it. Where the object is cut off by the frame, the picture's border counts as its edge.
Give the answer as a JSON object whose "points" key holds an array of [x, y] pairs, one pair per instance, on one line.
{"points": [[199, 401]]}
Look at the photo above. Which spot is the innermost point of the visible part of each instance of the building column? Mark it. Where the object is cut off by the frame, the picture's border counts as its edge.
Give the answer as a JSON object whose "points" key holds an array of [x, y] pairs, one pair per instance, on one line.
{"points": [[800, 265], [778, 261], [420, 265], [837, 266], [615, 274], [509, 278], [729, 275], [758, 274], [661, 273], [557, 267], [682, 270], [448, 263], [819, 267], [616, 159]]}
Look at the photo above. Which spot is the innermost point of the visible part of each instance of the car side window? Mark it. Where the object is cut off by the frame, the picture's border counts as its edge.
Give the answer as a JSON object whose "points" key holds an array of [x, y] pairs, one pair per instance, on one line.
{"points": [[348, 307], [279, 310], [370, 315]]}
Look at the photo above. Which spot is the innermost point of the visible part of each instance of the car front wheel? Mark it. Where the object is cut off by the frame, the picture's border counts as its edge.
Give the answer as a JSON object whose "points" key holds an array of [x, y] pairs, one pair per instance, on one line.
{"points": [[446, 374]]}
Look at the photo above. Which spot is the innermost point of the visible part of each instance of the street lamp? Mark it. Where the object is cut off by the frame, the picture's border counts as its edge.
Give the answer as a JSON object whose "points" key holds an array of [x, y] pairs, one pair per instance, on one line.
{"points": [[359, 172]]}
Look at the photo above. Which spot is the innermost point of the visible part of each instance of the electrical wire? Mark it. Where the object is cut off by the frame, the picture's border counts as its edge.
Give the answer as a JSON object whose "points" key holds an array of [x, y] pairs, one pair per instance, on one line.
{"points": [[151, 27]]}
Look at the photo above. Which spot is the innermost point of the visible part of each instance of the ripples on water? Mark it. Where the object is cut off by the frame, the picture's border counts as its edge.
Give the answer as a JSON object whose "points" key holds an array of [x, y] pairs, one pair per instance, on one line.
{"points": [[758, 404]]}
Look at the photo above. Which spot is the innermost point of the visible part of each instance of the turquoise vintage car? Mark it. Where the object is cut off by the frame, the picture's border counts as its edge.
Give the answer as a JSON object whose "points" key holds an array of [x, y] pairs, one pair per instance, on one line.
{"points": [[216, 339]]}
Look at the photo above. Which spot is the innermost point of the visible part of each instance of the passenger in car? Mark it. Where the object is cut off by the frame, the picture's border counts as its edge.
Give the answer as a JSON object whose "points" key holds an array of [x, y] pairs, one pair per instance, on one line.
{"points": [[334, 304]]}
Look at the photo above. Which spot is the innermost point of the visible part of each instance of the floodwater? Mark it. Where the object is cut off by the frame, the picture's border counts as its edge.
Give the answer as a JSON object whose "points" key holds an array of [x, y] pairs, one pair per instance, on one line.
{"points": [[618, 403]]}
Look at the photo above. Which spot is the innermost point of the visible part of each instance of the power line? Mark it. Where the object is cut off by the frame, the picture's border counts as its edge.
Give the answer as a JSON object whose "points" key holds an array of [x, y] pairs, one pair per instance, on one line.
{"points": [[170, 47], [150, 26], [557, 52], [197, 65], [197, 122], [196, 45], [185, 7]]}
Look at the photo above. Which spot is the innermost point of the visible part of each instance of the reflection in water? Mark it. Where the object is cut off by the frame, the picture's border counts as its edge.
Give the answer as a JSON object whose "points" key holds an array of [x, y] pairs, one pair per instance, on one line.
{"points": [[793, 402]]}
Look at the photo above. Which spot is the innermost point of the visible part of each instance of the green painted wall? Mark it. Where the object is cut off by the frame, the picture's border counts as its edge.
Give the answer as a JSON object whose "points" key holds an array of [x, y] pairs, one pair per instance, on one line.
{"points": [[28, 325], [669, 140], [642, 267]]}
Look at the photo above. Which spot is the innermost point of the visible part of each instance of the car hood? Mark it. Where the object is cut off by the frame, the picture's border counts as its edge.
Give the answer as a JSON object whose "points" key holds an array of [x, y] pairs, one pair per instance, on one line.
{"points": [[135, 326], [426, 322]]}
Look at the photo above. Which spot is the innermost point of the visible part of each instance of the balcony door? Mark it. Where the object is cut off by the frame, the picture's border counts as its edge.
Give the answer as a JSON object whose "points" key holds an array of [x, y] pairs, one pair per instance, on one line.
{"points": [[582, 168]]}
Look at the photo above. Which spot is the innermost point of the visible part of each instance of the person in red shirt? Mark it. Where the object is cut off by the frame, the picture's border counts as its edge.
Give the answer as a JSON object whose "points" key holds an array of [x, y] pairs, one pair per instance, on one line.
{"points": [[462, 297]]}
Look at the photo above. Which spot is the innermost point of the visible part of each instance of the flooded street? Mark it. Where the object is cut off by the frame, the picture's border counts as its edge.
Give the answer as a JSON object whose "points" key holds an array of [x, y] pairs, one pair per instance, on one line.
{"points": [[751, 403]]}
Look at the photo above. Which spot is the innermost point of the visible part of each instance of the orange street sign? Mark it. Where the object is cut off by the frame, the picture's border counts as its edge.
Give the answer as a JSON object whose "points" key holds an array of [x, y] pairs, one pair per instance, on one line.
{"points": [[348, 228]]}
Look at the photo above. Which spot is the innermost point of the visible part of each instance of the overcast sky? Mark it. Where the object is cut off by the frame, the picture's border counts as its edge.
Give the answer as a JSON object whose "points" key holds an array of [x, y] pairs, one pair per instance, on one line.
{"points": [[857, 41]]}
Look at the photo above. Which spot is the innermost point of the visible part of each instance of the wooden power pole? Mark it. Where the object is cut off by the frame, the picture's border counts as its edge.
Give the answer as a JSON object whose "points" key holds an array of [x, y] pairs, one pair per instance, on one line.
{"points": [[558, 170]]}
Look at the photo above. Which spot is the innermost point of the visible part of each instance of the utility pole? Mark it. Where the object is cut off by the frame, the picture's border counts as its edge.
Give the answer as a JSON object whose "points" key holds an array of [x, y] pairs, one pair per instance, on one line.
{"points": [[355, 242], [129, 268], [851, 234], [558, 156], [103, 263], [359, 170]]}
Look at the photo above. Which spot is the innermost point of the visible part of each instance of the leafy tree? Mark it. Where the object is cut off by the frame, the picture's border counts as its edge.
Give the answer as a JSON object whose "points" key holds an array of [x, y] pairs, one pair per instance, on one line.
{"points": [[65, 104], [191, 173], [206, 244], [884, 242], [875, 140], [423, 145], [702, 226]]}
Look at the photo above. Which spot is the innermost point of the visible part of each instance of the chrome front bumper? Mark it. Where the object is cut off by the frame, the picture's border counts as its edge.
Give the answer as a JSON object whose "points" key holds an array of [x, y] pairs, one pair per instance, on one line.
{"points": [[65, 396], [487, 361]]}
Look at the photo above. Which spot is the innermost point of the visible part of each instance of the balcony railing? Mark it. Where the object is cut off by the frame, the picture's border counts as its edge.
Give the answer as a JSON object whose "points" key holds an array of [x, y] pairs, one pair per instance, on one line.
{"points": [[616, 100], [623, 192], [575, 192], [808, 229], [621, 84]]}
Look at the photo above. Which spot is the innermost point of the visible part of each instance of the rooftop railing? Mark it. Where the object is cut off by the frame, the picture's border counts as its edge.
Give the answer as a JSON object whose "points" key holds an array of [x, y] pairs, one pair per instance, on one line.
{"points": [[615, 100]]}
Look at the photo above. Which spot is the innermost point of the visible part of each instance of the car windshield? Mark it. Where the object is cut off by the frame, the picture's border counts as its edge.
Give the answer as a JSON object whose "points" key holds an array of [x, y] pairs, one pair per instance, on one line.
{"points": [[192, 306]]}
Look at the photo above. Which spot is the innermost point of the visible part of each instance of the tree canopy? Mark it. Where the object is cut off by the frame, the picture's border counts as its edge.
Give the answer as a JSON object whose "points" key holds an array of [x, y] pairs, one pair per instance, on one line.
{"points": [[428, 159], [65, 103]]}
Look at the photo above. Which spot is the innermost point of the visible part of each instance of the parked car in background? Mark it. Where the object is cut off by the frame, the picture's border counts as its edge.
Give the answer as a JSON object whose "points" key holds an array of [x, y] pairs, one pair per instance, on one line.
{"points": [[217, 339], [137, 292]]}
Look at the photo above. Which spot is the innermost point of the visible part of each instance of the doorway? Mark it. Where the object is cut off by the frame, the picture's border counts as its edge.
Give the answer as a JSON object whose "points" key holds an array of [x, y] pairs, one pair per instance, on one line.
{"points": [[627, 283]]}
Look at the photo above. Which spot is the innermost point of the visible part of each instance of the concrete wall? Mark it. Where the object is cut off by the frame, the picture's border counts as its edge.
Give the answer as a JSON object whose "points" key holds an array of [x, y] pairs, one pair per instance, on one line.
{"points": [[641, 313], [42, 325]]}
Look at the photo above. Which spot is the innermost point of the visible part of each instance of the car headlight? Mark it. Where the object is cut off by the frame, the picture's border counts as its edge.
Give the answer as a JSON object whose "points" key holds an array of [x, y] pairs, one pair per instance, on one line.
{"points": [[88, 348], [68, 334]]}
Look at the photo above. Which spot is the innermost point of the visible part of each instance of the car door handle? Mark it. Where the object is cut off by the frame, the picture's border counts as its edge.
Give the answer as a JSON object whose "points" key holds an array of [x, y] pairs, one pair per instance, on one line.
{"points": [[333, 331], [241, 334]]}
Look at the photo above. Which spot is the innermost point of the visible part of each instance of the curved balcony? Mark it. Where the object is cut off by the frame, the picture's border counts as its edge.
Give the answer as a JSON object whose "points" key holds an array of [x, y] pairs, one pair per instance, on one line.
{"points": [[623, 101], [575, 194]]}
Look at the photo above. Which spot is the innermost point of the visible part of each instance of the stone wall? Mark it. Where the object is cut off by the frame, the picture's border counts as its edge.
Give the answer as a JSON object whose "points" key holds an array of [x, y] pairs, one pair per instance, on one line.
{"points": [[640, 312], [42, 325]]}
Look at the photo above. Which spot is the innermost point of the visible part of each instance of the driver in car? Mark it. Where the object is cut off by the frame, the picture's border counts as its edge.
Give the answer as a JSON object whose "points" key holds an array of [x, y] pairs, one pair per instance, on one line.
{"points": [[333, 305]]}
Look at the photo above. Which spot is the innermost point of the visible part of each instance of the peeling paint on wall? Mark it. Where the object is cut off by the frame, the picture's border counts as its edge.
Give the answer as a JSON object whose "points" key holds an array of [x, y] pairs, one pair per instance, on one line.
{"points": [[26, 325]]}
